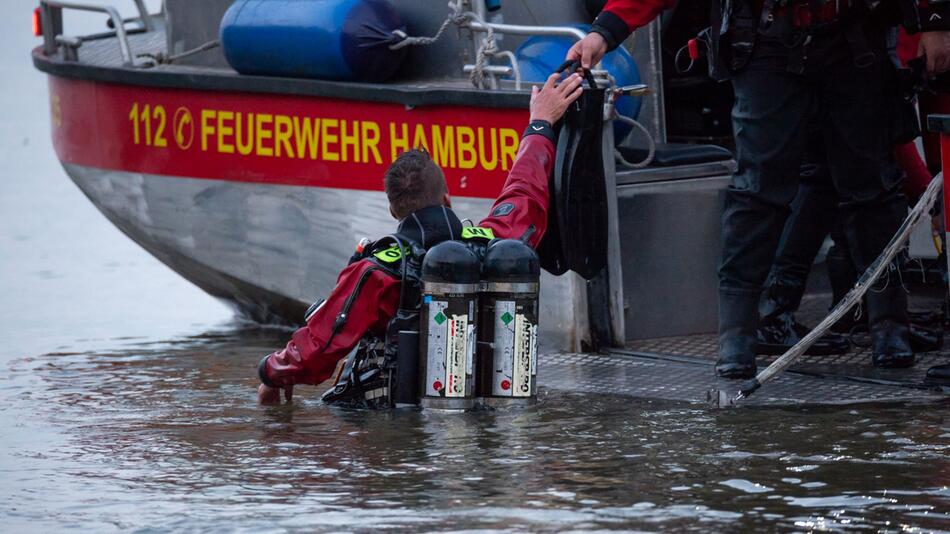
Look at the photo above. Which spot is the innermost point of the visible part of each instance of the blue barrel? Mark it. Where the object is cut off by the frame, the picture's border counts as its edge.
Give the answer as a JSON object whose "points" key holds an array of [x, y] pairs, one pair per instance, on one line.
{"points": [[538, 56], [325, 39]]}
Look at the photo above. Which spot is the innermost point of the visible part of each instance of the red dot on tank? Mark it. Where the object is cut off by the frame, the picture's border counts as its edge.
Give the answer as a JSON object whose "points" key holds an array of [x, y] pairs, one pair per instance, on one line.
{"points": [[505, 385], [437, 385]]}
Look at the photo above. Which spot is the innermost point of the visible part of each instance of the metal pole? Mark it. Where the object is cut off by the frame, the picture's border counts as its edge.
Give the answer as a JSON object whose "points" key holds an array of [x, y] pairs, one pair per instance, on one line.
{"points": [[144, 15], [54, 7], [518, 29]]}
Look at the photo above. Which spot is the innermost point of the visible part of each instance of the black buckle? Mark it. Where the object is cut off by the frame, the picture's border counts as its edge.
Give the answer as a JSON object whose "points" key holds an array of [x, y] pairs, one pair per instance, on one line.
{"points": [[573, 65]]}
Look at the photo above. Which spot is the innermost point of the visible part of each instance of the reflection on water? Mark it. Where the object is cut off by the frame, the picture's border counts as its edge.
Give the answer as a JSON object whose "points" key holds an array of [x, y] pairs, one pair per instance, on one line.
{"points": [[168, 435]]}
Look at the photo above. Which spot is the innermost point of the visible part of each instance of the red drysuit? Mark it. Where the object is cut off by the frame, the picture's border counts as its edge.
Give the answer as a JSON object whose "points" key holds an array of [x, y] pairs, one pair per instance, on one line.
{"points": [[310, 359], [620, 17]]}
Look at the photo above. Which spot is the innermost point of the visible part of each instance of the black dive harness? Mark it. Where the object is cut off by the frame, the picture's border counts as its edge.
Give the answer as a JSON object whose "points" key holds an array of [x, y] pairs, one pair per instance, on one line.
{"points": [[376, 373], [465, 332], [739, 24], [461, 290]]}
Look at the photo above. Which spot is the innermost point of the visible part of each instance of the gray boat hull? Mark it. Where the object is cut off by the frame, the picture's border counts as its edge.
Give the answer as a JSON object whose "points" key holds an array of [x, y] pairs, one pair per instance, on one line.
{"points": [[271, 250]]}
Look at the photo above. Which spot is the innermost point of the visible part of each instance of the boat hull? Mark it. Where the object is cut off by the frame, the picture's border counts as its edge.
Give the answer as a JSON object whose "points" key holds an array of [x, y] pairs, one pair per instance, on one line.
{"points": [[270, 250]]}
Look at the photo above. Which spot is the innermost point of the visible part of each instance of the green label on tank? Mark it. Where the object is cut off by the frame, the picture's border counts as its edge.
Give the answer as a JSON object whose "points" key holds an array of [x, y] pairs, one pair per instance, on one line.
{"points": [[507, 318], [439, 318]]}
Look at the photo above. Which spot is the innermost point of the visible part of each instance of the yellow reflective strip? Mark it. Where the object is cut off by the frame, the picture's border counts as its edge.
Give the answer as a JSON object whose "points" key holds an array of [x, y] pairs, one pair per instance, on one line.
{"points": [[477, 232]]}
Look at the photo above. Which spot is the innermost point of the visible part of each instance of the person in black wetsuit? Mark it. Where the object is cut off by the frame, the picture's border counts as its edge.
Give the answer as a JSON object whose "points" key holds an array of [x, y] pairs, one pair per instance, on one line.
{"points": [[794, 64]]}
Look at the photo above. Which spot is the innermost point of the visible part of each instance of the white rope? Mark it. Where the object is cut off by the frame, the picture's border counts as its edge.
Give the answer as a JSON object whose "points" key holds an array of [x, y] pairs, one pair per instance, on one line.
{"points": [[162, 59], [489, 47], [651, 145], [873, 272], [455, 17], [416, 41]]}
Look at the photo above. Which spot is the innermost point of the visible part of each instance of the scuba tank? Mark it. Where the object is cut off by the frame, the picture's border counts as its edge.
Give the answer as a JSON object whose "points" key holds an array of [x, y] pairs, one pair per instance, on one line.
{"points": [[450, 275], [508, 323]]}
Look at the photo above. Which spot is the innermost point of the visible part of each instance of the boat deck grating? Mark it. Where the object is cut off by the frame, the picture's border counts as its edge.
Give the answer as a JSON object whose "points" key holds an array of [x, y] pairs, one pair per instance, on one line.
{"points": [[655, 377]]}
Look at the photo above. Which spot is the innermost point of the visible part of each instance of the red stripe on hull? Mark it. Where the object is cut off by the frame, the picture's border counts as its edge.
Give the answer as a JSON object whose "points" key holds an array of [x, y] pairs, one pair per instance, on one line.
{"points": [[288, 140]]}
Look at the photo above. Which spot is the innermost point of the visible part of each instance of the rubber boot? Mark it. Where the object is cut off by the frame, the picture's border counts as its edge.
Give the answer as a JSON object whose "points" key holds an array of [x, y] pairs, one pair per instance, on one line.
{"points": [[778, 330], [890, 334], [938, 375], [868, 228], [738, 315]]}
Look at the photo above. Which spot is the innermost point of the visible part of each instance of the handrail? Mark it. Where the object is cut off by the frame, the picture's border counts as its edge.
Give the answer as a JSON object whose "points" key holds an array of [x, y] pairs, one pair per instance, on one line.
{"points": [[521, 29], [144, 15], [144, 18], [52, 17], [477, 24]]}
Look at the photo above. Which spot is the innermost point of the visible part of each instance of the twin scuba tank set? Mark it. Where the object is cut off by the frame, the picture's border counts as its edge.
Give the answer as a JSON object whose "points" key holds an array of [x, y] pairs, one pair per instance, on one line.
{"points": [[466, 330], [465, 333]]}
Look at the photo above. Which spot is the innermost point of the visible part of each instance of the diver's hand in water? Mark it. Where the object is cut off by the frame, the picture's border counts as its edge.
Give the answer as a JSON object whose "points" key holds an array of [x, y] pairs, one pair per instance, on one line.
{"points": [[589, 50], [269, 395], [550, 102], [936, 47]]}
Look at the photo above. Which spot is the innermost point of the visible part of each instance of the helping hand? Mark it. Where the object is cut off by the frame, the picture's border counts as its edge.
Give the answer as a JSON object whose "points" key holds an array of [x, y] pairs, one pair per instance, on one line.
{"points": [[551, 101], [936, 47], [269, 395], [588, 50]]}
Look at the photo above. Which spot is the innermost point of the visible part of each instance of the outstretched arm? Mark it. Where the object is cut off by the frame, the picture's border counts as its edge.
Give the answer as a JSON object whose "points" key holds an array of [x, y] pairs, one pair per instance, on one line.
{"points": [[615, 23], [522, 206], [364, 298]]}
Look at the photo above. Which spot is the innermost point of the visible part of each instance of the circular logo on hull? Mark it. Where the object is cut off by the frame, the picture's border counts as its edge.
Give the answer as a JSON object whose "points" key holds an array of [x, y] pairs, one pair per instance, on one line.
{"points": [[184, 128]]}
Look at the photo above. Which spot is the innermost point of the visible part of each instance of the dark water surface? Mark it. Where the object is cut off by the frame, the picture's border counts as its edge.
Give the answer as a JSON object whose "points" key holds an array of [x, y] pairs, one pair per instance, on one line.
{"points": [[167, 435], [127, 403]]}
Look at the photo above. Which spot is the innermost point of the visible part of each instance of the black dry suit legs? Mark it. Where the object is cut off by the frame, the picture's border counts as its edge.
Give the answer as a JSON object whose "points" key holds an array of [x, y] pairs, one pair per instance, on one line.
{"points": [[782, 106], [841, 276], [869, 226], [778, 330], [750, 236], [769, 119], [814, 213]]}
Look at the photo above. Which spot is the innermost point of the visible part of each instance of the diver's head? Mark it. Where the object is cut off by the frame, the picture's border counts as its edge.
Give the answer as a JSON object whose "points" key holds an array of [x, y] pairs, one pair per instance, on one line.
{"points": [[414, 182]]}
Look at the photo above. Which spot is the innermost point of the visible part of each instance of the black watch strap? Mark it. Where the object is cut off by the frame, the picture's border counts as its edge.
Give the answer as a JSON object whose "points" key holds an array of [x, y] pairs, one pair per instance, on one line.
{"points": [[540, 127], [262, 373], [613, 29]]}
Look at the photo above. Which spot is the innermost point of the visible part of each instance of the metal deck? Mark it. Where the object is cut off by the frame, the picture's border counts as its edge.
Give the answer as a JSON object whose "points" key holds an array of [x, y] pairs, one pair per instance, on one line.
{"points": [[680, 368], [854, 364], [684, 378]]}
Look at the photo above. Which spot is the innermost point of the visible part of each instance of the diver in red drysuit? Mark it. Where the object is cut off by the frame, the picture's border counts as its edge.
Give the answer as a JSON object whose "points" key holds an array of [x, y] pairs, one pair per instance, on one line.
{"points": [[313, 351]]}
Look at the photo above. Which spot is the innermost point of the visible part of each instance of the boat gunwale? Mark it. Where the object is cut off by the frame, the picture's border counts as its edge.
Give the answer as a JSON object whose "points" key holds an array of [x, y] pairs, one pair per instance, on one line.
{"points": [[198, 78]]}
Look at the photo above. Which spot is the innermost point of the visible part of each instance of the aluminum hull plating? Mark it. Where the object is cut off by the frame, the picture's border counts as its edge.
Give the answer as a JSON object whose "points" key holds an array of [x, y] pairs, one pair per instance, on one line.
{"points": [[269, 249]]}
